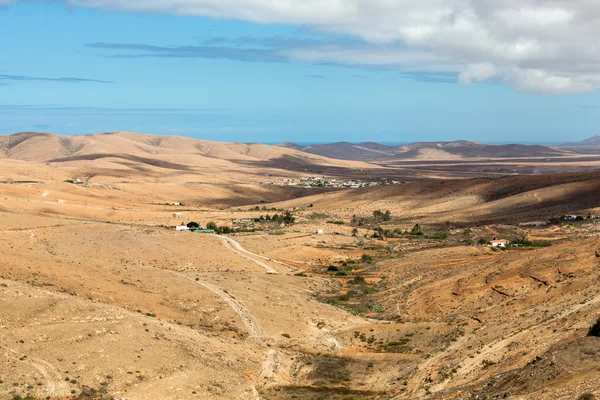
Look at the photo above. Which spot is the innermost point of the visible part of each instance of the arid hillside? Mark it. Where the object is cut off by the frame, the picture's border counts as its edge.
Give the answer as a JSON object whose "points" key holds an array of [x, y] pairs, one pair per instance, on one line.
{"points": [[134, 156], [511, 199], [381, 288], [426, 150]]}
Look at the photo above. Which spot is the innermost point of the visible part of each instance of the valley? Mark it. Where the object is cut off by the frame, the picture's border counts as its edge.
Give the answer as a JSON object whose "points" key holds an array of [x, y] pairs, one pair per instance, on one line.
{"points": [[387, 291]]}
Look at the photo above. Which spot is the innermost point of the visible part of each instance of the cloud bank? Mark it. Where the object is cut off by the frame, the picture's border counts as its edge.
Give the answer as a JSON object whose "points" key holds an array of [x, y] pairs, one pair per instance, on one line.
{"points": [[543, 46]]}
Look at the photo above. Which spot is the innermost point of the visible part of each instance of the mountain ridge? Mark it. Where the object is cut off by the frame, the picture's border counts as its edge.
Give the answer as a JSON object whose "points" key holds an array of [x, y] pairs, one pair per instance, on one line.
{"points": [[593, 141], [458, 149]]}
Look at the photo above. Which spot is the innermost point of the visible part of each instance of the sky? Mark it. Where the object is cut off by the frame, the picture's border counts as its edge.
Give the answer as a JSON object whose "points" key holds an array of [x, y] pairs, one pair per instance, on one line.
{"points": [[303, 70]]}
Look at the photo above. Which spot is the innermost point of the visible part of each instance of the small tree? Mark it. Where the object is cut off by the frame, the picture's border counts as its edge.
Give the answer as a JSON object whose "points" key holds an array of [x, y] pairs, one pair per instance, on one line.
{"points": [[482, 242], [387, 215], [211, 225], [193, 225], [223, 230], [416, 230], [366, 258], [288, 218], [378, 215], [355, 232]]}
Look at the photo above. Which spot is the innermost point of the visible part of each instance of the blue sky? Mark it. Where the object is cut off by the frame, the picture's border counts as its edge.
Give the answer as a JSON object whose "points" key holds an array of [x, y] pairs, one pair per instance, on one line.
{"points": [[76, 70]]}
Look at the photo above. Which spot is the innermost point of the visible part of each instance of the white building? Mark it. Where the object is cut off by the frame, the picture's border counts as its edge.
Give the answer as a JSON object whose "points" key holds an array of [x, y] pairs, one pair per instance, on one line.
{"points": [[499, 243], [182, 228]]}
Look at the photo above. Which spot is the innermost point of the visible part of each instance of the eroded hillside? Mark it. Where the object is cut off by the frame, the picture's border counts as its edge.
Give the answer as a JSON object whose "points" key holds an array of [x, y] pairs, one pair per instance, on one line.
{"points": [[387, 291]]}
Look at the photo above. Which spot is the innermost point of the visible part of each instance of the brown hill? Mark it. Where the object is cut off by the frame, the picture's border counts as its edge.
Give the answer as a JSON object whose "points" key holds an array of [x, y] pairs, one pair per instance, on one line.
{"points": [[594, 141], [426, 150], [510, 199], [144, 156], [102, 298]]}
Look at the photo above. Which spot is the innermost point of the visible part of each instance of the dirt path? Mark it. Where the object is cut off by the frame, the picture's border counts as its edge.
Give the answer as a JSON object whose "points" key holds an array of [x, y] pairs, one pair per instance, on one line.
{"points": [[470, 364], [269, 366], [55, 384], [56, 387], [254, 329], [239, 250]]}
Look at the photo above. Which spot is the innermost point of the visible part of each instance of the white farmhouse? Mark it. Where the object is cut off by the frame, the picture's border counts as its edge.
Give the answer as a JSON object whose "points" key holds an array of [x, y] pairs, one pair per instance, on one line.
{"points": [[499, 243]]}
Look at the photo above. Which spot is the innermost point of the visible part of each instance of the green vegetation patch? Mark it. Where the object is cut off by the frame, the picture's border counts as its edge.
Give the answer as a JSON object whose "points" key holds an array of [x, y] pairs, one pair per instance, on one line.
{"points": [[319, 393]]}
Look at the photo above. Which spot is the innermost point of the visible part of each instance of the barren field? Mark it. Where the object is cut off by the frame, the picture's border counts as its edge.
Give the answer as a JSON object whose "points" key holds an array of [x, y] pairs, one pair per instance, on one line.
{"points": [[101, 298]]}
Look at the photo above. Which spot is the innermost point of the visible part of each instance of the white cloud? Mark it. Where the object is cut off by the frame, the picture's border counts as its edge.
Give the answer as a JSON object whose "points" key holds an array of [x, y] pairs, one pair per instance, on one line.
{"points": [[547, 46], [478, 72], [541, 81]]}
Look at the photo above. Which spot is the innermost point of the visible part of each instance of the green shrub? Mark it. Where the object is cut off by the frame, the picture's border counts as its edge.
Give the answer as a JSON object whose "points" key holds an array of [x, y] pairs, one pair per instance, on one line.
{"points": [[332, 268], [357, 280], [440, 236], [595, 329], [524, 242], [586, 396], [377, 308], [193, 225], [416, 230], [211, 225], [224, 230]]}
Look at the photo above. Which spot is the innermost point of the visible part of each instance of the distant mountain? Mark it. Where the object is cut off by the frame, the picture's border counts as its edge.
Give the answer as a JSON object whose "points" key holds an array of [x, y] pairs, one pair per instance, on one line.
{"points": [[594, 141], [347, 151], [425, 150], [292, 146], [116, 152]]}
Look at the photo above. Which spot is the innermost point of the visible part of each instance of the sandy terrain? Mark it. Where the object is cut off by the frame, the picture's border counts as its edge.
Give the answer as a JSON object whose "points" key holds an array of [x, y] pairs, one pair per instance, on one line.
{"points": [[101, 298]]}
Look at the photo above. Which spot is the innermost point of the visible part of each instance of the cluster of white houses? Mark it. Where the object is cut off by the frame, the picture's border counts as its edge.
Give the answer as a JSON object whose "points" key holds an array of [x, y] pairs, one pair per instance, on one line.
{"points": [[322, 181]]}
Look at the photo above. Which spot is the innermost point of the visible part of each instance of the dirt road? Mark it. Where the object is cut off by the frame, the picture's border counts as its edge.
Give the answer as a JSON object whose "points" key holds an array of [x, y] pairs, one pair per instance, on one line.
{"points": [[254, 329], [239, 250]]}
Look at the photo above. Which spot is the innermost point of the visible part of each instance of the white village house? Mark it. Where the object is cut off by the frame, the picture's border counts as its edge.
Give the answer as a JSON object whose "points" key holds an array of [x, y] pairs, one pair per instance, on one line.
{"points": [[499, 242], [182, 228]]}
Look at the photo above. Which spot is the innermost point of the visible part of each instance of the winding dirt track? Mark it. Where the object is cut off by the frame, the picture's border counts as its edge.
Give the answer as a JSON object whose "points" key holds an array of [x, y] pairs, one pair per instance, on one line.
{"points": [[470, 364], [254, 329], [55, 385], [239, 250]]}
